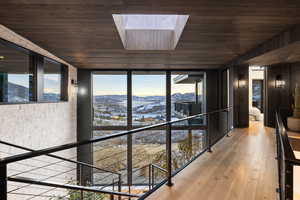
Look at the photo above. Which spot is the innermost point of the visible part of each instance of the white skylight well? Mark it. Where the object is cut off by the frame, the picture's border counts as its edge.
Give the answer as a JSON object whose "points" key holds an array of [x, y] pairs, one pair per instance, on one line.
{"points": [[150, 32]]}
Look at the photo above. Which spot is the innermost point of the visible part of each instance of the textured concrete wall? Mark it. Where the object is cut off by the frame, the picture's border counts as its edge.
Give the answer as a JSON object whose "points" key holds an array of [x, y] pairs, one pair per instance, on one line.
{"points": [[37, 126]]}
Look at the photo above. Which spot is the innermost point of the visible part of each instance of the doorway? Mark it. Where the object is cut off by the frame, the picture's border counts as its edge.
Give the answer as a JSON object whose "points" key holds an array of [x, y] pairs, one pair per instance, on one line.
{"points": [[256, 93]]}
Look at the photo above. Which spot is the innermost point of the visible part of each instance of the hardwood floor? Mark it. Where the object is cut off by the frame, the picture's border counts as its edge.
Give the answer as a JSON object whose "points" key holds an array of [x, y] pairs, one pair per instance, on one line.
{"points": [[242, 167]]}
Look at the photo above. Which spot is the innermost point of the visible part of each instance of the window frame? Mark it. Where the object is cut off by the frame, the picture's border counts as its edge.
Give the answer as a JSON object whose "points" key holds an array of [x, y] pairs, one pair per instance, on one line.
{"points": [[129, 73], [130, 138], [36, 65]]}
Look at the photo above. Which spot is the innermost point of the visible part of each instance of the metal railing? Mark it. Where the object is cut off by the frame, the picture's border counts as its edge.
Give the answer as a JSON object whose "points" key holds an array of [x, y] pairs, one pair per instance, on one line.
{"points": [[286, 161], [79, 165], [212, 138], [152, 175]]}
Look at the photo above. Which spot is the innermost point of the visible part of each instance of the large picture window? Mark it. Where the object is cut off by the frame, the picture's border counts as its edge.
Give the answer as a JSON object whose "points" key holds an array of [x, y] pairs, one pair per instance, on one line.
{"points": [[16, 77], [132, 99]]}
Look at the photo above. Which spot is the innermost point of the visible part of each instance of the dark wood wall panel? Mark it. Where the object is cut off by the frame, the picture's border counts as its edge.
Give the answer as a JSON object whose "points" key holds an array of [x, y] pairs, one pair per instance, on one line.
{"points": [[216, 99], [212, 90], [280, 98], [295, 76], [231, 96], [240, 96]]}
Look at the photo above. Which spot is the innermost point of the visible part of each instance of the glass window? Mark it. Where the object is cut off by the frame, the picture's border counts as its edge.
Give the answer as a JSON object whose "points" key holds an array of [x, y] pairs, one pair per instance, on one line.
{"points": [[186, 145], [148, 107], [187, 90], [111, 156], [110, 99], [52, 81], [16, 78], [148, 98], [148, 147]]}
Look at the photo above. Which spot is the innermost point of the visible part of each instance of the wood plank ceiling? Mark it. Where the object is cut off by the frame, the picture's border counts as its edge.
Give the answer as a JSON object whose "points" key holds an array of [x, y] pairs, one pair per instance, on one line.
{"points": [[82, 32]]}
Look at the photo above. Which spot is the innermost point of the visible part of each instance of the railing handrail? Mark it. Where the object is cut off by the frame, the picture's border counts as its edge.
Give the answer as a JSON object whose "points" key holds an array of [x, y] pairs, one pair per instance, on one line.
{"points": [[69, 186], [283, 136], [46, 151], [286, 160], [59, 157], [158, 167]]}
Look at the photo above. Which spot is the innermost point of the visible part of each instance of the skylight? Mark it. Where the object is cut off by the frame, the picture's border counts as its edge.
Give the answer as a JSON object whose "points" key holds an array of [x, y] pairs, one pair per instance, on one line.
{"points": [[150, 32]]}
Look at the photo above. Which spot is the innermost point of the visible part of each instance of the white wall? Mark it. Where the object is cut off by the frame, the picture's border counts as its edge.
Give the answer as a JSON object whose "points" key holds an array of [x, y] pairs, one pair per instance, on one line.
{"points": [[38, 125]]}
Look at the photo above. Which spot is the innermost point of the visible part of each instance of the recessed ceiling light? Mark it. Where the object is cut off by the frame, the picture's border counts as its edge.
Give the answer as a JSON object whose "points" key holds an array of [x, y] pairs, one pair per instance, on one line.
{"points": [[150, 32]]}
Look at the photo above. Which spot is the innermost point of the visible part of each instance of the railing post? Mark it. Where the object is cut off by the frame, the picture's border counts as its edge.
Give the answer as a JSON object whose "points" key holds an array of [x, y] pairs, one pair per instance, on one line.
{"points": [[149, 173], [80, 175], [289, 180], [227, 129], [169, 154], [81, 195], [3, 182], [152, 177], [208, 134], [113, 189], [120, 185], [80, 182]]}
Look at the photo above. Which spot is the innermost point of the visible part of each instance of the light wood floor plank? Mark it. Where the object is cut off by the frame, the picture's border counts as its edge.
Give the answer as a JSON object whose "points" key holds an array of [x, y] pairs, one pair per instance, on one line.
{"points": [[241, 167]]}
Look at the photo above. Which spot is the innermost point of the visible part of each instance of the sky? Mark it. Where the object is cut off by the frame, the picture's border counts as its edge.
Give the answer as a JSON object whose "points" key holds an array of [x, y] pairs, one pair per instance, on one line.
{"points": [[19, 79], [51, 81], [142, 85]]}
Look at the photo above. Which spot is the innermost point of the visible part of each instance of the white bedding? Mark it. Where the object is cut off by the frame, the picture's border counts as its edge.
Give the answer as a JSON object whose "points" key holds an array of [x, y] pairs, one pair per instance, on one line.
{"points": [[255, 112]]}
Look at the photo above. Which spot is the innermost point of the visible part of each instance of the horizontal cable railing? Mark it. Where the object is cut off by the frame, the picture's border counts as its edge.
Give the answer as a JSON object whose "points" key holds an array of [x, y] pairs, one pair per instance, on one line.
{"points": [[68, 186], [155, 158], [286, 161], [25, 171], [57, 157], [31, 170]]}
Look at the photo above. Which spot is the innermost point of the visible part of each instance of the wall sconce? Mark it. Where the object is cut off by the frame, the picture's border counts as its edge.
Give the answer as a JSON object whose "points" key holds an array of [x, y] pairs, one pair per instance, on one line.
{"points": [[279, 83], [2, 57], [74, 83], [241, 81]]}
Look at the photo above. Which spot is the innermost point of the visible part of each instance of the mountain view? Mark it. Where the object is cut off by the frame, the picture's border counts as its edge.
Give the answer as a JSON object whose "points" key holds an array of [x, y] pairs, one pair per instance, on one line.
{"points": [[112, 109], [148, 146], [18, 93]]}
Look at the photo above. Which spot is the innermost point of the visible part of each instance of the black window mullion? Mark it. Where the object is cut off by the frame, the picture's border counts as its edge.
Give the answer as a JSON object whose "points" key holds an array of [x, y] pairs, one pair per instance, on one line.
{"points": [[168, 96], [38, 86], [129, 126], [64, 83], [129, 100], [3, 87], [32, 93]]}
